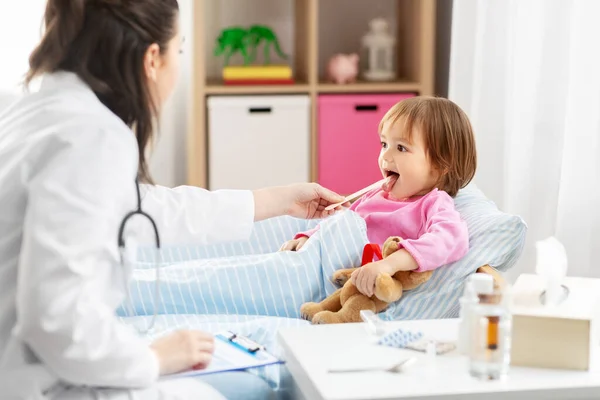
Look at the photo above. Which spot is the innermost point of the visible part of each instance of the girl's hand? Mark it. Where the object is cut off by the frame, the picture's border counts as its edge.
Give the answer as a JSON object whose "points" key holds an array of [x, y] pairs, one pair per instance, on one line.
{"points": [[364, 277], [294, 245], [183, 350]]}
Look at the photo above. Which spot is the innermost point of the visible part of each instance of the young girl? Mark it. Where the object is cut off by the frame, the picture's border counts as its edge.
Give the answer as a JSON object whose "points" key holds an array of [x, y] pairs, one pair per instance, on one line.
{"points": [[427, 155]]}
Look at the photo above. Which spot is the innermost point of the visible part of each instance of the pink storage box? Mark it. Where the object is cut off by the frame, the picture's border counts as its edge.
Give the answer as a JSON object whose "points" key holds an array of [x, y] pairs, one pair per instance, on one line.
{"points": [[348, 139]]}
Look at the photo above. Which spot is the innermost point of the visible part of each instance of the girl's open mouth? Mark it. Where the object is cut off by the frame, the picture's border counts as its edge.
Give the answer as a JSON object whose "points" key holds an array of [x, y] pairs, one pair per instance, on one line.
{"points": [[391, 179]]}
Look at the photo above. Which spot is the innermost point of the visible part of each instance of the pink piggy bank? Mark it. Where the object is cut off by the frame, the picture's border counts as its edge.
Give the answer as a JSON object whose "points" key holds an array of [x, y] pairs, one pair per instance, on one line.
{"points": [[343, 68]]}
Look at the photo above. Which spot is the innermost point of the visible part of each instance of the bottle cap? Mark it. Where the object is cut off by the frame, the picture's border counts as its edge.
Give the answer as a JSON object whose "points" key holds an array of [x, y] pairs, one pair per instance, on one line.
{"points": [[469, 293], [482, 283]]}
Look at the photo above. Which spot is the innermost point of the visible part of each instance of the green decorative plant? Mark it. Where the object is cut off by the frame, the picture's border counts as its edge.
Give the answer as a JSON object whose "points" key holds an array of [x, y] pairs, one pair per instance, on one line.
{"points": [[246, 41]]}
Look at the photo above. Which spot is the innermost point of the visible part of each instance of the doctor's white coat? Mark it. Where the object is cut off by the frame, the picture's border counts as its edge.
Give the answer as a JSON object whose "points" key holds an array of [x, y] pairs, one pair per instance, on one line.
{"points": [[67, 172]]}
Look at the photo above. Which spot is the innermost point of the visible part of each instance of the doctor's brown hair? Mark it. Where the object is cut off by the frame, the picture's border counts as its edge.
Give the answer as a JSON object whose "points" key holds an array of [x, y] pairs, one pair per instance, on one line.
{"points": [[447, 135], [104, 42]]}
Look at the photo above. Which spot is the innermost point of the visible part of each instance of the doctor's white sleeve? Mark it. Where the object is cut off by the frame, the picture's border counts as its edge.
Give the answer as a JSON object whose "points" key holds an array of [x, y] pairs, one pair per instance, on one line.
{"points": [[188, 214], [70, 281]]}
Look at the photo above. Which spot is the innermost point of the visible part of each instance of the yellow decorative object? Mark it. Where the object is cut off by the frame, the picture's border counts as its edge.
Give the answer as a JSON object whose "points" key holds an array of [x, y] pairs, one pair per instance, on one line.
{"points": [[257, 72]]}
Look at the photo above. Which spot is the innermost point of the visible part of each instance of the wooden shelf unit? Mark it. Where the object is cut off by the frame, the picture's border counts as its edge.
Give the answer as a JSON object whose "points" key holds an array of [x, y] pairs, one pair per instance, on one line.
{"points": [[216, 88], [415, 25]]}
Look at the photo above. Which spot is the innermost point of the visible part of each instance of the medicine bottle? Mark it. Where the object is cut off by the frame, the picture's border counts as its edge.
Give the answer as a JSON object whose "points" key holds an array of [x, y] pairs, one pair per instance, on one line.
{"points": [[489, 356]]}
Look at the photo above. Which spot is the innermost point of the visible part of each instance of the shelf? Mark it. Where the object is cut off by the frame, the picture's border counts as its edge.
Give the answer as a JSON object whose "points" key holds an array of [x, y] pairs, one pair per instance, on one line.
{"points": [[216, 87], [343, 23], [310, 32], [374, 87], [289, 21]]}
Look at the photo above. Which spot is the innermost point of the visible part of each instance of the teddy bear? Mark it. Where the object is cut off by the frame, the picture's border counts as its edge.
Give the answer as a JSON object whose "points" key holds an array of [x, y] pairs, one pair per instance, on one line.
{"points": [[345, 304]]}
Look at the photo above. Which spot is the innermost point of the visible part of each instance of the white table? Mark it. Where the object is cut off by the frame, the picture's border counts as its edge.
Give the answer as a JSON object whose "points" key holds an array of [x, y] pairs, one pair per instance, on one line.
{"points": [[311, 350]]}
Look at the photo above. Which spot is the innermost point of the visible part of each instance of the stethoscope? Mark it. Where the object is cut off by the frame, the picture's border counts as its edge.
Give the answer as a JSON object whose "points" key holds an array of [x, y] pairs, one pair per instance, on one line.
{"points": [[122, 251]]}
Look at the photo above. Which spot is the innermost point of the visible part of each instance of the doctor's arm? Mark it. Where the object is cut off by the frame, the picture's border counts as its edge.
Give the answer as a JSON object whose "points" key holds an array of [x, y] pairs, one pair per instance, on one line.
{"points": [[69, 279], [188, 214]]}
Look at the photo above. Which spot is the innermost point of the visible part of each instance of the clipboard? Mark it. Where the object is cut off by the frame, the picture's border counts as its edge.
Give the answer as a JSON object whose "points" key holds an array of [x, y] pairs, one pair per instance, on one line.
{"points": [[233, 352]]}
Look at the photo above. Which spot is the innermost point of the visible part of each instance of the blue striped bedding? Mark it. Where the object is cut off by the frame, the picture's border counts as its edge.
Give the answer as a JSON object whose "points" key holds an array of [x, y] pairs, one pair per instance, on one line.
{"points": [[253, 278]]}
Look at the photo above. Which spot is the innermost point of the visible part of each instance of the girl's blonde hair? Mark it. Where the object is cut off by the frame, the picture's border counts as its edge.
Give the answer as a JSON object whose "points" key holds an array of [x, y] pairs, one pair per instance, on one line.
{"points": [[447, 134]]}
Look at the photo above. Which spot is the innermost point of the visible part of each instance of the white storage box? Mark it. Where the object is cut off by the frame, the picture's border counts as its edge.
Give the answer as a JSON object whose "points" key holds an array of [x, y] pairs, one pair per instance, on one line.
{"points": [[258, 141]]}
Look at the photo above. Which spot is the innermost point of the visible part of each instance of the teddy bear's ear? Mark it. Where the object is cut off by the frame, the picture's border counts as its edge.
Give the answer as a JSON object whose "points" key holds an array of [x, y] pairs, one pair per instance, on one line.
{"points": [[390, 245]]}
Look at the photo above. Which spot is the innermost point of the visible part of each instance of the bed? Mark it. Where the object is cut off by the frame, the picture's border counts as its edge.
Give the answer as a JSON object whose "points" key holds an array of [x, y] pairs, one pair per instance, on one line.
{"points": [[251, 288]]}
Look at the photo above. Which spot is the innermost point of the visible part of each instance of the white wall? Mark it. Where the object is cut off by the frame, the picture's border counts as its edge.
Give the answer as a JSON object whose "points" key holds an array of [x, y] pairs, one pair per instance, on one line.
{"points": [[168, 159], [20, 29]]}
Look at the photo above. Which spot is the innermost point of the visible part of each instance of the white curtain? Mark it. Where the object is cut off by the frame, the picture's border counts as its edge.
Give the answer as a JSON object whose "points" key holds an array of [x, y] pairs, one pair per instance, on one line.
{"points": [[527, 72]]}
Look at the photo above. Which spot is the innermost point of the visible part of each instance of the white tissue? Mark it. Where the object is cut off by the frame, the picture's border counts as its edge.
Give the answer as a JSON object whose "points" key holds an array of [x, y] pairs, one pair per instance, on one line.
{"points": [[551, 264]]}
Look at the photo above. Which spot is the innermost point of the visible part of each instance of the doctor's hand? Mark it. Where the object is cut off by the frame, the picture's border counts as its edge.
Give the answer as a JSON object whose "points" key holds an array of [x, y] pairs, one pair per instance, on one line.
{"points": [[300, 200], [183, 350], [308, 201]]}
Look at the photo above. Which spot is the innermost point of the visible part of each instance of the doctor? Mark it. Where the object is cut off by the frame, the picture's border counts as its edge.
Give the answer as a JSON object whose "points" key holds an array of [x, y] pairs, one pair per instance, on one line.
{"points": [[70, 155]]}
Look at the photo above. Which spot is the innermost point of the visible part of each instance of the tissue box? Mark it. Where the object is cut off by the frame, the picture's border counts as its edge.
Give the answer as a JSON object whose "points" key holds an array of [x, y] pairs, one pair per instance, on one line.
{"points": [[562, 336]]}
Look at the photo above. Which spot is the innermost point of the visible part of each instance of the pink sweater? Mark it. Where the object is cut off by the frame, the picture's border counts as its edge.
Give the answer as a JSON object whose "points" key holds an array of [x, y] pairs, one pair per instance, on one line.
{"points": [[433, 232]]}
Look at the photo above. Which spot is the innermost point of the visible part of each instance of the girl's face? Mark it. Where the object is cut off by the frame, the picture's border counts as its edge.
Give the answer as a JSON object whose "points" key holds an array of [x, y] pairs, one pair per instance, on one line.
{"points": [[405, 163], [162, 68]]}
